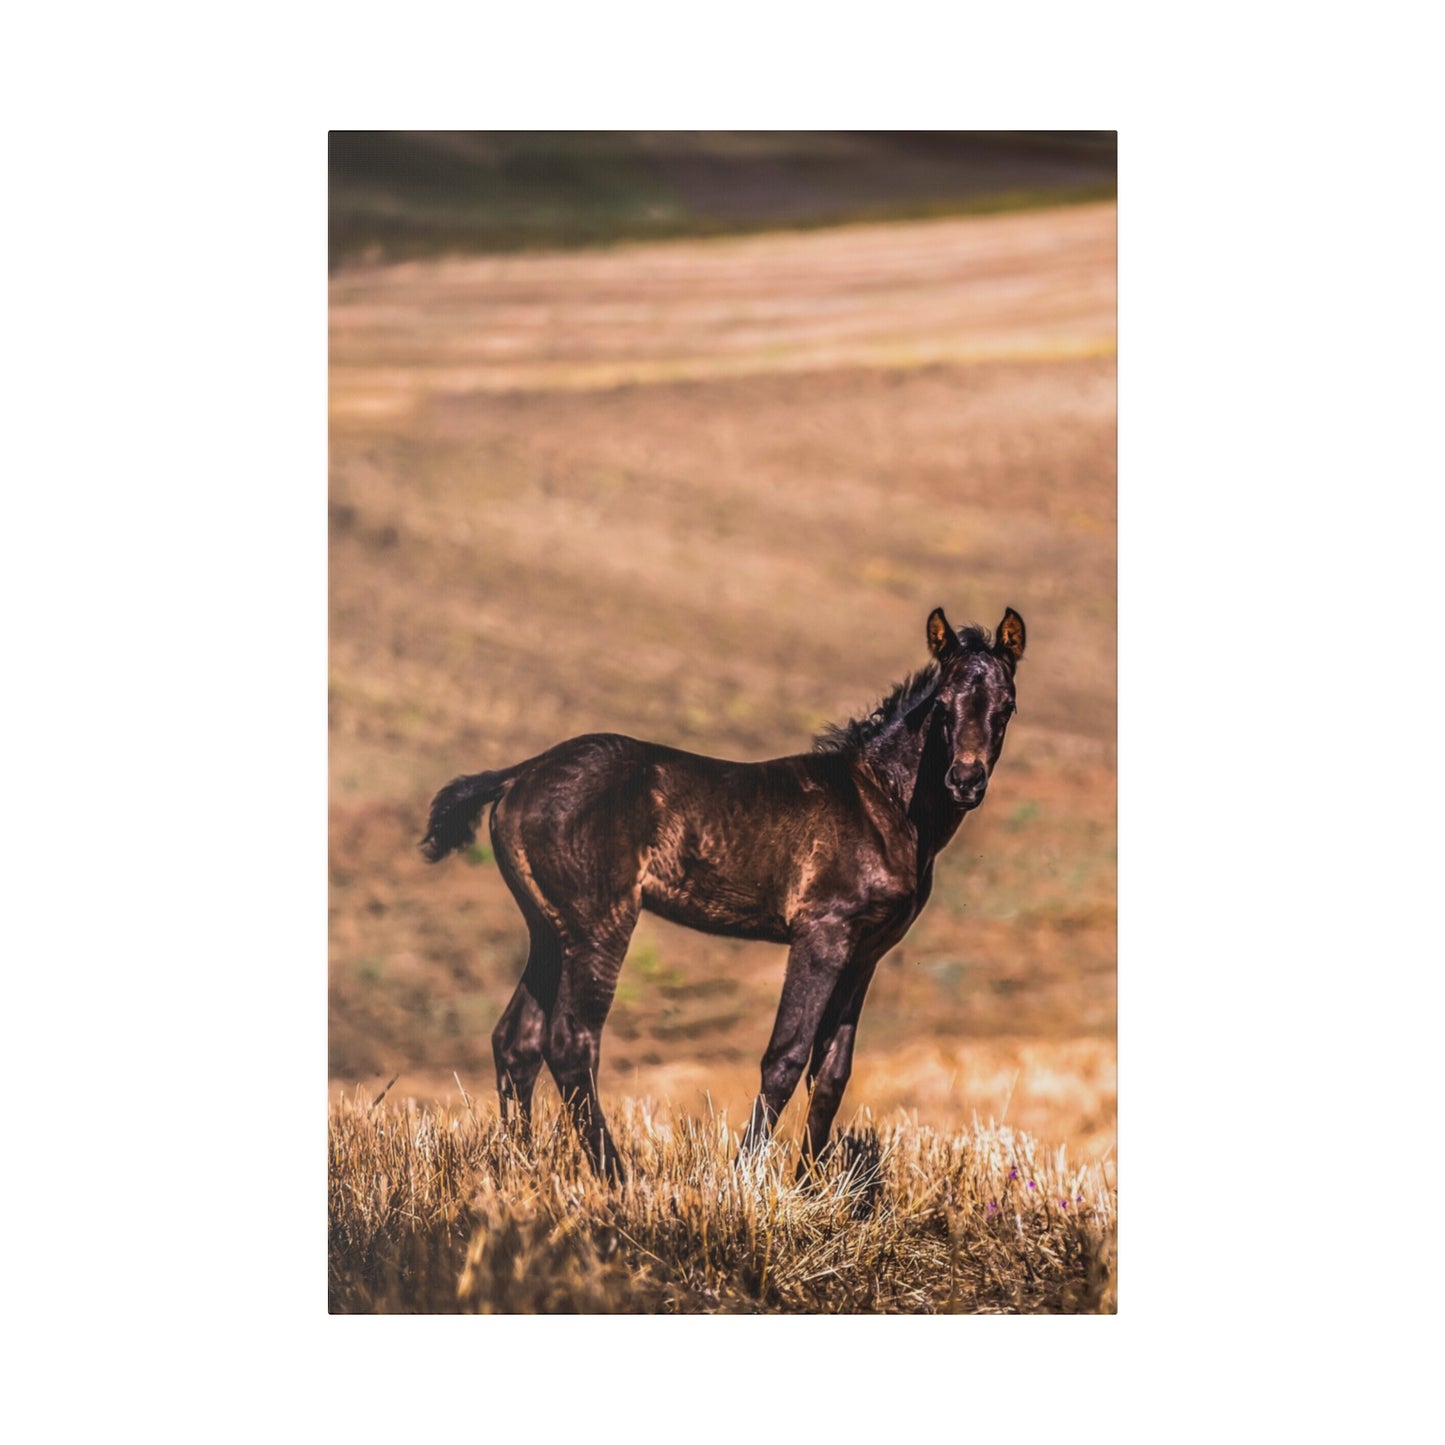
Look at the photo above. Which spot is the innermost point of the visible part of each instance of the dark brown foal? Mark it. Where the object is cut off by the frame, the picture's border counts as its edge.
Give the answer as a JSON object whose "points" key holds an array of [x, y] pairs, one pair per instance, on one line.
{"points": [[830, 852]]}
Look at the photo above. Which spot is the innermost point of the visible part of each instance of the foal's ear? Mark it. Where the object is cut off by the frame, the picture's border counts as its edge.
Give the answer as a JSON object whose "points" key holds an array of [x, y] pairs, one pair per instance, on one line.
{"points": [[1010, 638], [942, 639]]}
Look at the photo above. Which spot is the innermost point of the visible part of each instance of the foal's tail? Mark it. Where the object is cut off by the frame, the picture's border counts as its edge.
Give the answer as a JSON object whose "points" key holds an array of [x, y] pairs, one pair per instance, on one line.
{"points": [[457, 809]]}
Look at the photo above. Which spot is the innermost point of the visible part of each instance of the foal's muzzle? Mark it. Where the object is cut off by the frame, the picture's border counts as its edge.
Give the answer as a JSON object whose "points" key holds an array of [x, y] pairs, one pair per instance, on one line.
{"points": [[966, 783]]}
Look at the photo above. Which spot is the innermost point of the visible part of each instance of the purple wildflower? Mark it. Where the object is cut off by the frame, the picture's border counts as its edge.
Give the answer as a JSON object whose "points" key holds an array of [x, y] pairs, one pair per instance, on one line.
{"points": [[1013, 1174], [1032, 1185]]}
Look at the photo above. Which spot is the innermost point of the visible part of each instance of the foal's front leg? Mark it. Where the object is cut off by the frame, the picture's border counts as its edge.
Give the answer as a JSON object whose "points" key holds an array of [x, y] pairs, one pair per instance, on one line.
{"points": [[815, 962], [832, 1060]]}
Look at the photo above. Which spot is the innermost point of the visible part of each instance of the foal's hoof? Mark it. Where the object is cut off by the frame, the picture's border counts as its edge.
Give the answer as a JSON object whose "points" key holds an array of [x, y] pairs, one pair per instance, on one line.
{"points": [[809, 1174], [607, 1163]]}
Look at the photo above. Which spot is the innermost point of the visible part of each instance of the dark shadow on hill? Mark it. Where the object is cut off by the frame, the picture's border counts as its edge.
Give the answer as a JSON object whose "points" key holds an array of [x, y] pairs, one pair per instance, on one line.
{"points": [[398, 194]]}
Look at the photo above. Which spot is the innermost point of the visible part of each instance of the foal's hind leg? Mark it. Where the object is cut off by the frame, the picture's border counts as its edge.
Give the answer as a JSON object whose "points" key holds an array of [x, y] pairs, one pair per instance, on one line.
{"points": [[574, 1038], [519, 1041], [578, 871]]}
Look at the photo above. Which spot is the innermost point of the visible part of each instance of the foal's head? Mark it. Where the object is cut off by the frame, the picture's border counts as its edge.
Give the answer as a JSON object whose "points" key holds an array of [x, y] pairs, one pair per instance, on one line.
{"points": [[974, 699]]}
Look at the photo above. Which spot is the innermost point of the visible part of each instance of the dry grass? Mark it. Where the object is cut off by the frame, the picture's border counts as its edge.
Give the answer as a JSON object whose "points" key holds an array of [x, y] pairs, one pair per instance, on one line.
{"points": [[437, 1210]]}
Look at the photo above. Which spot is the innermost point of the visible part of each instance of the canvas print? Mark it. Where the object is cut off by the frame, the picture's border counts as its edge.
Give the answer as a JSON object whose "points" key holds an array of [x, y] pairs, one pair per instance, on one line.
{"points": [[722, 839]]}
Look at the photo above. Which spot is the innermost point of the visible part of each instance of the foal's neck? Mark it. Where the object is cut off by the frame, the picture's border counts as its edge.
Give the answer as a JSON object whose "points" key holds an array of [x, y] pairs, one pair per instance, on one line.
{"points": [[910, 759]]}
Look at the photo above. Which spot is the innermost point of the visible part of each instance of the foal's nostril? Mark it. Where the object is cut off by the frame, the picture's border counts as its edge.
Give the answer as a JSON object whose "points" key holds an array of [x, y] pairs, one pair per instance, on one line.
{"points": [[967, 782]]}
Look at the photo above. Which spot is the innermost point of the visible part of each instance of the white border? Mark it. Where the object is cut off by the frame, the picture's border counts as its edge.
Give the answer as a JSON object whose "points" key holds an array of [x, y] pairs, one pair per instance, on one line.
{"points": [[1279, 317]]}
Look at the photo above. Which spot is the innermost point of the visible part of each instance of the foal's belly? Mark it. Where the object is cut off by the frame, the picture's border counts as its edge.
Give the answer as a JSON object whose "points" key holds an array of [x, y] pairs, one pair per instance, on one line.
{"points": [[702, 904]]}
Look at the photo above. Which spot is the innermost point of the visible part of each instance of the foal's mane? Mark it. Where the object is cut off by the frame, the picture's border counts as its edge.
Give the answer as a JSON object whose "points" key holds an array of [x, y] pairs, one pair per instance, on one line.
{"points": [[854, 734]]}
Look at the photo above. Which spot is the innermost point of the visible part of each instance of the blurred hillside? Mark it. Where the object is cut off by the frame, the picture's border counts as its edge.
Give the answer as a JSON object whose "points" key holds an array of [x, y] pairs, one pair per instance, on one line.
{"points": [[398, 194]]}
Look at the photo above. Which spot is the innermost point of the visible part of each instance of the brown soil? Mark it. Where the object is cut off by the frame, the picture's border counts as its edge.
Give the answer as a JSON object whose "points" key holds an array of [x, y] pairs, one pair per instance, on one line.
{"points": [[707, 493]]}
